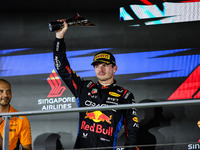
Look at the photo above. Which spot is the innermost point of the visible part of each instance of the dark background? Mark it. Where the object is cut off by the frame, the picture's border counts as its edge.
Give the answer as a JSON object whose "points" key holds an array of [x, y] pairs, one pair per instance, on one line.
{"points": [[25, 24]]}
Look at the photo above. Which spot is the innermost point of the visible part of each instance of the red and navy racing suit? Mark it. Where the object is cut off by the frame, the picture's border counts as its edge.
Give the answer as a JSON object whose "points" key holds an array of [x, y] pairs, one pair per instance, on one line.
{"points": [[97, 128]]}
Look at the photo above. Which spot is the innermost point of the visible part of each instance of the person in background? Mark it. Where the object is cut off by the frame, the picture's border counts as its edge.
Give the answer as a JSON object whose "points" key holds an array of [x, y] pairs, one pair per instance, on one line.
{"points": [[98, 128], [19, 128]]}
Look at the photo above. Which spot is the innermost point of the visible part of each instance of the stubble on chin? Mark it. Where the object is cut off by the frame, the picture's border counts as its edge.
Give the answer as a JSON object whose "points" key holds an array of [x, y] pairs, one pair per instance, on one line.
{"points": [[4, 103]]}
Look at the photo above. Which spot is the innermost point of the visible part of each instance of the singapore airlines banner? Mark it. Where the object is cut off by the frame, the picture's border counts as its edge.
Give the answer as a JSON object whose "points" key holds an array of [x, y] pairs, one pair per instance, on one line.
{"points": [[54, 100]]}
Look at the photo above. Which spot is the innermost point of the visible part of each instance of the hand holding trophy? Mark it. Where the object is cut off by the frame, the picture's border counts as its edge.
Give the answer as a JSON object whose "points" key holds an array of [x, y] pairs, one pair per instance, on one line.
{"points": [[74, 21]]}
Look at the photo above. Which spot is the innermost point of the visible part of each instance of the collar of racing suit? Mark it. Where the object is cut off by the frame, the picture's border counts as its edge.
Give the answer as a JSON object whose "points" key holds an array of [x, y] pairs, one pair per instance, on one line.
{"points": [[106, 86]]}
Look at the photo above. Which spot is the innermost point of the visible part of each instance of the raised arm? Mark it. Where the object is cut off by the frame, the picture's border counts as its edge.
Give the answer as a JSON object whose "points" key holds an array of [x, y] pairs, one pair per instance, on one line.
{"points": [[71, 79], [61, 33]]}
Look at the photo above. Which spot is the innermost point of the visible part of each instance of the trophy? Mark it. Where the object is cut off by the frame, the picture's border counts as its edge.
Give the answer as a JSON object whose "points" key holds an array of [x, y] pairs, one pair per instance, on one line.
{"points": [[74, 21]]}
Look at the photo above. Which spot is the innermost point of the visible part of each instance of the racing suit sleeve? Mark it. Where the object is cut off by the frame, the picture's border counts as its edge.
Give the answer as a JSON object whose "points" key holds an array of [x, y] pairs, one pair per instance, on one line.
{"points": [[131, 123], [71, 79]]}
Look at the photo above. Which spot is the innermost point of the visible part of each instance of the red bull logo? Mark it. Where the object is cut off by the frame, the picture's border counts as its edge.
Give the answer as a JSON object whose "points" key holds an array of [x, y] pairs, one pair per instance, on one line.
{"points": [[98, 116], [97, 128], [104, 87]]}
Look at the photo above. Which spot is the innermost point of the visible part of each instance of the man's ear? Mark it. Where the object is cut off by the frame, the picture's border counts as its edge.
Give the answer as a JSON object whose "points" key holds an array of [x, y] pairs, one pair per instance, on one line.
{"points": [[115, 68]]}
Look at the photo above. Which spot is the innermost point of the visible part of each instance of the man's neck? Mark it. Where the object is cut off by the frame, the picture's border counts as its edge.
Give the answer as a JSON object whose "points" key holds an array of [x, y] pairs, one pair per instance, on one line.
{"points": [[4, 109], [106, 82]]}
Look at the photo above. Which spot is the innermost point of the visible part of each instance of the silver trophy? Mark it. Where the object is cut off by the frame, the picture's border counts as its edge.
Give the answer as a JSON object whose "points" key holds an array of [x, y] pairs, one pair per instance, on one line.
{"points": [[74, 21]]}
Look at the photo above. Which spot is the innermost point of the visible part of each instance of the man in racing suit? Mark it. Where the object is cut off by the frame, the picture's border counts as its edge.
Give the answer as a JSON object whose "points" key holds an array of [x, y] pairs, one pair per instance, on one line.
{"points": [[98, 128]]}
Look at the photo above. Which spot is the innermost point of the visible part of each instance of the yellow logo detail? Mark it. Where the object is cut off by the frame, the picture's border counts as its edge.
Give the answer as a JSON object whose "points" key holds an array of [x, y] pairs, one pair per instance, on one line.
{"points": [[75, 73], [135, 119], [98, 116], [105, 56], [55, 77], [114, 94], [198, 123]]}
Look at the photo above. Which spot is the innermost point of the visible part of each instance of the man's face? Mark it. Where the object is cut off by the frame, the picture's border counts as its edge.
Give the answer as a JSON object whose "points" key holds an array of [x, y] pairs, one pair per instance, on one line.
{"points": [[104, 72], [5, 93]]}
